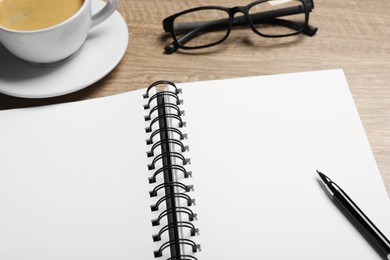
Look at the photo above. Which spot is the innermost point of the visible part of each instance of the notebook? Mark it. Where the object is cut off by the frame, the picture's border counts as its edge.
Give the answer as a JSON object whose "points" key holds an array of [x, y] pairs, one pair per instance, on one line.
{"points": [[222, 169]]}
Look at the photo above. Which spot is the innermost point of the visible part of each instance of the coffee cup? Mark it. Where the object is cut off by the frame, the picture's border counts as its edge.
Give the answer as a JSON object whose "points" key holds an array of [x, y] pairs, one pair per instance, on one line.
{"points": [[49, 43]]}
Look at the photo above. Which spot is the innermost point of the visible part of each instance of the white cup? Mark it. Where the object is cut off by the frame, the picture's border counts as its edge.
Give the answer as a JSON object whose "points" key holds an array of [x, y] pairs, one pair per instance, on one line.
{"points": [[58, 42]]}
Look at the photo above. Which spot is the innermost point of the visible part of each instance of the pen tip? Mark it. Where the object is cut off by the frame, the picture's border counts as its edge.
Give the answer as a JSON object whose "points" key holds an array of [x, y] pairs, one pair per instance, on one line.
{"points": [[323, 177]]}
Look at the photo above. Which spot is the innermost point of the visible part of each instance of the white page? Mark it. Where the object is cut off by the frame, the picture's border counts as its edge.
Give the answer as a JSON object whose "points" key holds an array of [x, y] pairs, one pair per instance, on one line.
{"points": [[73, 181], [255, 145]]}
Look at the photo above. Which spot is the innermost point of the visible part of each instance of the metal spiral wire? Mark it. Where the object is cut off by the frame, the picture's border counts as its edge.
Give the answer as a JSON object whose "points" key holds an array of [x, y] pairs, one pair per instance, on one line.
{"points": [[163, 107]]}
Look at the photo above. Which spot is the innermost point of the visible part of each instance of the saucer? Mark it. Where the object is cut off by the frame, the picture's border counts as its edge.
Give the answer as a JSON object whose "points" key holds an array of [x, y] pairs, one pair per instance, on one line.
{"points": [[102, 51]]}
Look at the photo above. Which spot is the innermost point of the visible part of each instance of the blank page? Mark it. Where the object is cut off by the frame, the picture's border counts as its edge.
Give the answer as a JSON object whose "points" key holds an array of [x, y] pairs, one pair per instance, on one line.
{"points": [[73, 181], [255, 145]]}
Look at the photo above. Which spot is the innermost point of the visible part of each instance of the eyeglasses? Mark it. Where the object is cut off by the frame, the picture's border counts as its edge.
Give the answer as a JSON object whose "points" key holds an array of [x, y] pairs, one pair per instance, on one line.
{"points": [[206, 26]]}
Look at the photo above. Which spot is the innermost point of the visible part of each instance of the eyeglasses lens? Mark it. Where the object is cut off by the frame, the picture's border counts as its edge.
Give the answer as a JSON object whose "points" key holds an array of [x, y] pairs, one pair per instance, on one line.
{"points": [[278, 17], [201, 28]]}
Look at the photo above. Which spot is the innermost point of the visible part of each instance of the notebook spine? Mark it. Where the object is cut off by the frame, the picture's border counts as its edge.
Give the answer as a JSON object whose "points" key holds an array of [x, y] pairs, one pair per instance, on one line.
{"points": [[168, 165]]}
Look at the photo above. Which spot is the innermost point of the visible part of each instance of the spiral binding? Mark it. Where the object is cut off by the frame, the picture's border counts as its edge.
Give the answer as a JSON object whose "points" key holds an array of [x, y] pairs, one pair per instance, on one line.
{"points": [[169, 139]]}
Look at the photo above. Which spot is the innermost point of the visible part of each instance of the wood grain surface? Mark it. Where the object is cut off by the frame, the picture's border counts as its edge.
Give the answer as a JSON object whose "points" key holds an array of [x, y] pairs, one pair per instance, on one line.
{"points": [[353, 35]]}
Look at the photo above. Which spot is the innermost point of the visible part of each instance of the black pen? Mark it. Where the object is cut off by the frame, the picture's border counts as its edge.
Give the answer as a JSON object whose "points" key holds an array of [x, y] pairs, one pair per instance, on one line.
{"points": [[361, 220]]}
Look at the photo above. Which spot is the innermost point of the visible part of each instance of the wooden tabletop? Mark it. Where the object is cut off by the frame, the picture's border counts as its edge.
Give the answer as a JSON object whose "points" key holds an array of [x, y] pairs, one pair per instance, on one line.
{"points": [[353, 35]]}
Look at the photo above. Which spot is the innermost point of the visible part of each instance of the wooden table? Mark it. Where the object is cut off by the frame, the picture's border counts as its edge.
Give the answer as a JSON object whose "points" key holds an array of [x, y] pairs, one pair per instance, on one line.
{"points": [[353, 35]]}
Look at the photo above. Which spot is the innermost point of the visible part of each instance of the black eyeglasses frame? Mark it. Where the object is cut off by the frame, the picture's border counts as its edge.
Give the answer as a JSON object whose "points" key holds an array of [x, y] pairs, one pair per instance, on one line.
{"points": [[168, 23]]}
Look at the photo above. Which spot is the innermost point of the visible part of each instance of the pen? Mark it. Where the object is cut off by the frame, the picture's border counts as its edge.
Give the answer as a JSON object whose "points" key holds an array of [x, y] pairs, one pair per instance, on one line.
{"points": [[361, 220]]}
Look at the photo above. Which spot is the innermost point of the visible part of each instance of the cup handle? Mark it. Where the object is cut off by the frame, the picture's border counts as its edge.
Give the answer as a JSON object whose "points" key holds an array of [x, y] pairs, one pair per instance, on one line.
{"points": [[104, 13]]}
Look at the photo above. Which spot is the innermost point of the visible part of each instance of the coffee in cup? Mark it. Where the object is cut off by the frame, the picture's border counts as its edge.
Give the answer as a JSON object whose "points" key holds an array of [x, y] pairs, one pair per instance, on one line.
{"points": [[27, 15], [48, 31]]}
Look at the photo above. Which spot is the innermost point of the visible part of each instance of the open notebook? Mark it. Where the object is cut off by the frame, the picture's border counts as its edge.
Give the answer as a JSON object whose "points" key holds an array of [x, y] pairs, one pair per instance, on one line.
{"points": [[232, 164]]}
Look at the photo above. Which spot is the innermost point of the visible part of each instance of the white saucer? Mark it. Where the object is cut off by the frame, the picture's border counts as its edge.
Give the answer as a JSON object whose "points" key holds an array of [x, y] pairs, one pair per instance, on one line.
{"points": [[104, 48]]}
